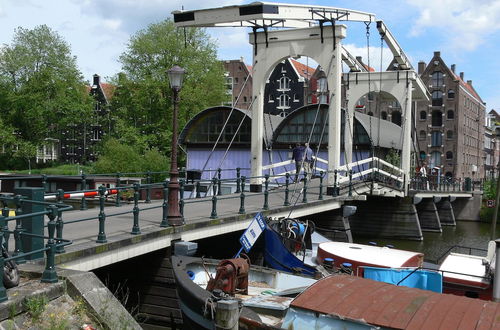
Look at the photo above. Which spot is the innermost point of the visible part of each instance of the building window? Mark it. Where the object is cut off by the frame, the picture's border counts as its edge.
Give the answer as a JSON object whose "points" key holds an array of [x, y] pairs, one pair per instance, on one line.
{"points": [[271, 98], [437, 98], [450, 114], [384, 115], [423, 115], [322, 88], [323, 99], [244, 99], [436, 140], [435, 159], [437, 79], [449, 134], [422, 135], [284, 101], [296, 98], [284, 83], [396, 118], [423, 155], [235, 80], [437, 118], [451, 94], [449, 155]]}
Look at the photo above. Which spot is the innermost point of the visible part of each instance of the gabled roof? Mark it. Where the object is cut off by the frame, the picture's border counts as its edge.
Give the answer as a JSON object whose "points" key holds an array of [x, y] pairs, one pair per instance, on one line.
{"points": [[302, 69], [467, 86]]}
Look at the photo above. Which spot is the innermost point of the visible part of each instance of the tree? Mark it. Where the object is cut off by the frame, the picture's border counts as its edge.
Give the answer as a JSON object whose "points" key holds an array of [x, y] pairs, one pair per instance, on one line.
{"points": [[42, 89], [143, 95]]}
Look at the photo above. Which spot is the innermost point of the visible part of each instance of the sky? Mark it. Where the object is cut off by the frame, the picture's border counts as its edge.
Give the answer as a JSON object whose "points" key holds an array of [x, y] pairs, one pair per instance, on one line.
{"points": [[467, 32]]}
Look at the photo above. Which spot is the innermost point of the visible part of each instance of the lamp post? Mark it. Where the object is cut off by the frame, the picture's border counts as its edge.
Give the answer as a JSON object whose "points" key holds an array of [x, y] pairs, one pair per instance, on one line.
{"points": [[174, 217]]}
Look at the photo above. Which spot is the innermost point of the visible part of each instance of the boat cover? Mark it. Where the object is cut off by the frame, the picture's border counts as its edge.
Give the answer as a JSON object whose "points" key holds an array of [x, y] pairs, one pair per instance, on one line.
{"points": [[420, 279]]}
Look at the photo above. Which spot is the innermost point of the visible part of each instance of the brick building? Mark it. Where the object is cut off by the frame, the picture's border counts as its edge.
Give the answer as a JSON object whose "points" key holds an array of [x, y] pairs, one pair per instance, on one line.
{"points": [[491, 144], [236, 75], [450, 128]]}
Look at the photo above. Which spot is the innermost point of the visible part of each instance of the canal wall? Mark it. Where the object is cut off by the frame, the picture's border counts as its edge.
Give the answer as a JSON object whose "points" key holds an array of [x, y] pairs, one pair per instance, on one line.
{"points": [[386, 217], [468, 208]]}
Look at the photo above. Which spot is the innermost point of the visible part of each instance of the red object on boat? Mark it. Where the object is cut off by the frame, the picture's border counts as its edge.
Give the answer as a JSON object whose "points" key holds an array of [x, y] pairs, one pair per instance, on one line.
{"points": [[367, 255], [231, 276]]}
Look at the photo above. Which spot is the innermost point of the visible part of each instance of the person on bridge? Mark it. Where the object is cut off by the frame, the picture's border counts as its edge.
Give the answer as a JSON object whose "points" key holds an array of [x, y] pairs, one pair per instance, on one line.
{"points": [[298, 157], [308, 161]]}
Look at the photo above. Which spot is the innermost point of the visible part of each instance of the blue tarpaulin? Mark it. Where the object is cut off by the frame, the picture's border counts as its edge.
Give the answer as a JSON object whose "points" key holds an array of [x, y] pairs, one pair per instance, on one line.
{"points": [[420, 279]]}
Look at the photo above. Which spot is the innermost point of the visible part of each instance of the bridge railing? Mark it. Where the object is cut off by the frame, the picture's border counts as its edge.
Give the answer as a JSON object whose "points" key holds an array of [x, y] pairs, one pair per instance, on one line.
{"points": [[442, 183]]}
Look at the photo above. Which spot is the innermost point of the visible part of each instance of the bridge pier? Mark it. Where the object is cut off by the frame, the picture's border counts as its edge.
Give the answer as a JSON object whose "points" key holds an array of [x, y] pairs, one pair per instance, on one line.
{"points": [[428, 215], [468, 208], [333, 225], [387, 218], [445, 211]]}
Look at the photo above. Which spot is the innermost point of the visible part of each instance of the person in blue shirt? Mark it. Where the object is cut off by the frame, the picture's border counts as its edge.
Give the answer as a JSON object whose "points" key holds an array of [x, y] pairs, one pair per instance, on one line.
{"points": [[298, 157]]}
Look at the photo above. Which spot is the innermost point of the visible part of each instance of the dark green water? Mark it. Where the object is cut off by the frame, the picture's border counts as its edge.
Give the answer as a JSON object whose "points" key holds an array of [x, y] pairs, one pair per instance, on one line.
{"points": [[466, 233]]}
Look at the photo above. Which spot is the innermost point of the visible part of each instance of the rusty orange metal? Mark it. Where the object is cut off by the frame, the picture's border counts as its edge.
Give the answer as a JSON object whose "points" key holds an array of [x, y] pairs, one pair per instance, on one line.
{"points": [[396, 307]]}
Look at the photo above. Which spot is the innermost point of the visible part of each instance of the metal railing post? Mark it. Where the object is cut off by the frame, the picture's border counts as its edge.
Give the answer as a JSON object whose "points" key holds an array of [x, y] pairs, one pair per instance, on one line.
{"points": [[182, 182], [148, 188], [335, 190], [135, 227], [49, 274], [18, 249], [3, 291], [214, 186], [287, 190], [164, 220], [198, 194], [350, 183], [5, 228], [83, 204], [101, 237], [320, 197], [118, 201], [304, 190], [266, 192], [59, 223], [238, 179], [219, 176], [213, 214], [45, 183], [242, 196]]}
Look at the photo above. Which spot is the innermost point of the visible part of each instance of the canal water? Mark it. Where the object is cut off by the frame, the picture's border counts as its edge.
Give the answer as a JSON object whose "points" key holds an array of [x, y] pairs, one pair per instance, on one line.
{"points": [[466, 233]]}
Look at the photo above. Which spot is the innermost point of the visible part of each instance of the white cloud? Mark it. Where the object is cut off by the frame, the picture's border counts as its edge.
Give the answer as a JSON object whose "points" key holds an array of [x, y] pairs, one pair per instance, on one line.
{"points": [[465, 24], [113, 24], [375, 55]]}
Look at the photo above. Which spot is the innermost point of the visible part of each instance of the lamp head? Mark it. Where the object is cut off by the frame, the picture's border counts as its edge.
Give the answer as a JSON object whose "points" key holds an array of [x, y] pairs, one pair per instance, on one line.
{"points": [[176, 77]]}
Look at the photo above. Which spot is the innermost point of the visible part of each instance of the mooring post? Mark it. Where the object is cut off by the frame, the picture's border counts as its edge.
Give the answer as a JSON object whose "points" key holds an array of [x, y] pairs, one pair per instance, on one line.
{"points": [[266, 192], [213, 214], [238, 178], [135, 228], [118, 201], [320, 197], [101, 236], [59, 223], [242, 196], [227, 315], [335, 190], [304, 190], [350, 183], [83, 204], [49, 274], [287, 190], [164, 220]]}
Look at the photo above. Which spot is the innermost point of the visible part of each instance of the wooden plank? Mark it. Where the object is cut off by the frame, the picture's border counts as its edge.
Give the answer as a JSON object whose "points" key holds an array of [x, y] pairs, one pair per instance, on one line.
{"points": [[160, 301], [160, 311], [160, 291]]}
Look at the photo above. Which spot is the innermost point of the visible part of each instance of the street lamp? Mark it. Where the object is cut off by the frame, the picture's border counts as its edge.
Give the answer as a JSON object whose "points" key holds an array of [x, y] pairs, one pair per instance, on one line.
{"points": [[174, 217]]}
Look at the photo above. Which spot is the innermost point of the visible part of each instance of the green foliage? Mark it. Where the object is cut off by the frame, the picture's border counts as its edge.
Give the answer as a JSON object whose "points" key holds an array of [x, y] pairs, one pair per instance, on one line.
{"points": [[41, 89], [35, 306], [490, 189], [118, 157], [142, 103]]}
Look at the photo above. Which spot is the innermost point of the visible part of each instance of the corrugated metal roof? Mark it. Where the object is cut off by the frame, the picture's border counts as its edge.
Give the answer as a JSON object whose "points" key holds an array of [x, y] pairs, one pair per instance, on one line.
{"points": [[397, 307]]}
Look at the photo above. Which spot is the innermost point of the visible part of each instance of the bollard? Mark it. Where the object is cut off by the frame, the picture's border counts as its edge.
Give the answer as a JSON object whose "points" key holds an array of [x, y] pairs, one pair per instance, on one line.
{"points": [[18, 249], [242, 196], [227, 315], [219, 176], [304, 190], [164, 218], [83, 204], [213, 215], [335, 190], [266, 192], [148, 189], [59, 223], [350, 183], [320, 197], [214, 186], [101, 237], [287, 190], [118, 201], [135, 228], [238, 180], [49, 274]]}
